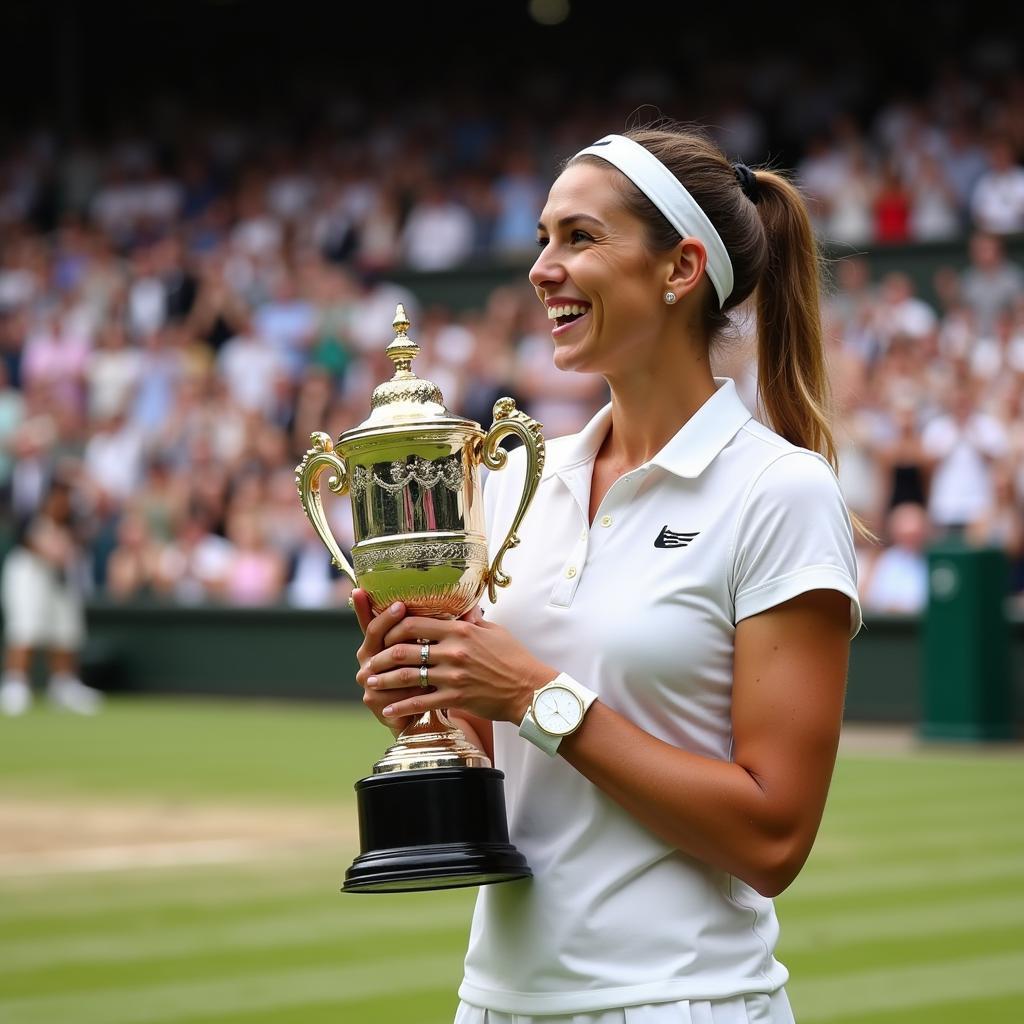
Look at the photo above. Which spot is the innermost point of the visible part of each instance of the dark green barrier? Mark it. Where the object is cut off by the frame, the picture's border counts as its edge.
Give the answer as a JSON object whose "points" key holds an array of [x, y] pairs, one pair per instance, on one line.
{"points": [[286, 652]]}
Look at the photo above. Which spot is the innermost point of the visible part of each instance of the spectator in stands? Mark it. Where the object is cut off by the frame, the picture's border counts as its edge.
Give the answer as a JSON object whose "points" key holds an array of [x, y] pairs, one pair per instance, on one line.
{"points": [[964, 162], [848, 212], [519, 192], [112, 372], [934, 205], [439, 232], [249, 365], [12, 413], [897, 580], [899, 312], [997, 203], [901, 456], [133, 565], [193, 568], [287, 321], [379, 243], [962, 446], [992, 283], [1001, 524], [256, 571], [891, 207]]}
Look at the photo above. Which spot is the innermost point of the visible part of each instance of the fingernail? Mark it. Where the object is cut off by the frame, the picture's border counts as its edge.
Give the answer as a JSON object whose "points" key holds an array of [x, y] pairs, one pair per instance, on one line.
{"points": [[388, 710], [372, 681], [396, 607]]}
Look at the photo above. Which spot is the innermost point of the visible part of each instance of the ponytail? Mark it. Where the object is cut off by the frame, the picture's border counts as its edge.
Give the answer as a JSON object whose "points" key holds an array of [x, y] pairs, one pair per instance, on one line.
{"points": [[791, 373]]}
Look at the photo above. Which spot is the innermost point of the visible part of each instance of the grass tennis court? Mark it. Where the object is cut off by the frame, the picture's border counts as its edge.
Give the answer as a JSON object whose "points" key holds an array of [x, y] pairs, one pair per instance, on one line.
{"points": [[178, 861]]}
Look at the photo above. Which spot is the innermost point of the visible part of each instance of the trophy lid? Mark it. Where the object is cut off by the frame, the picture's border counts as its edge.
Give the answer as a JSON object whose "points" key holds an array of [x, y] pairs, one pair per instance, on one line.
{"points": [[406, 398]]}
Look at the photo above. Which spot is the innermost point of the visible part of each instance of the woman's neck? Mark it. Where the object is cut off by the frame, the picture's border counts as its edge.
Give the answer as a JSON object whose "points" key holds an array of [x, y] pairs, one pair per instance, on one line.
{"points": [[647, 412]]}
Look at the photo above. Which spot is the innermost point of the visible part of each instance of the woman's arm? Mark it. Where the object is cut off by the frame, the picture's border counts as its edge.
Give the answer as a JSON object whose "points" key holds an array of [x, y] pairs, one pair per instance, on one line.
{"points": [[755, 816]]}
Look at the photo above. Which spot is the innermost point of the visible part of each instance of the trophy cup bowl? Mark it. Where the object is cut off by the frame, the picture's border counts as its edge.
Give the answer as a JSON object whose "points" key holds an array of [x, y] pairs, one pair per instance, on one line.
{"points": [[432, 813]]}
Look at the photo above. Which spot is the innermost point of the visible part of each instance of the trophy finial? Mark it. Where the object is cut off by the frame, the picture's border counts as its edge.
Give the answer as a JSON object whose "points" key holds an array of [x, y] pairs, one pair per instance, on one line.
{"points": [[403, 350], [401, 321]]}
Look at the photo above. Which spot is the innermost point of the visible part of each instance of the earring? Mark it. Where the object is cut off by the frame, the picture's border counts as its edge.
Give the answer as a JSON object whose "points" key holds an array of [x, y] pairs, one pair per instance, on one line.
{"points": [[670, 297]]}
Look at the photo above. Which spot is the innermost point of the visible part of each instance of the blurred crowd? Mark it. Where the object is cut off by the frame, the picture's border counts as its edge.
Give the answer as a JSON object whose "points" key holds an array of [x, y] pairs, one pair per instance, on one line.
{"points": [[180, 307]]}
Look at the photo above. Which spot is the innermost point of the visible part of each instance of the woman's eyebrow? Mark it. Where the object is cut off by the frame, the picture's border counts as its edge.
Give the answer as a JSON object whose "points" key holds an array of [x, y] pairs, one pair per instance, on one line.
{"points": [[572, 218]]}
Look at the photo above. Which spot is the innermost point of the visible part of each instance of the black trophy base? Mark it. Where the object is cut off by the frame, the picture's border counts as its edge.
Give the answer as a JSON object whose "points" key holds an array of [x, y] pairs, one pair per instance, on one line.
{"points": [[440, 828]]}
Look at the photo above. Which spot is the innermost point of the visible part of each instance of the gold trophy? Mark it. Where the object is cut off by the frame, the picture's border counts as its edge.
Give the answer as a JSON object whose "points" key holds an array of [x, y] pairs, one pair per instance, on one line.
{"points": [[432, 814]]}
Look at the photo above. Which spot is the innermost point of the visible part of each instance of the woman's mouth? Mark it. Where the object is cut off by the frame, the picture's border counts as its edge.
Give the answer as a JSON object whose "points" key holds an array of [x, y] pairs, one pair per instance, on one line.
{"points": [[567, 318]]}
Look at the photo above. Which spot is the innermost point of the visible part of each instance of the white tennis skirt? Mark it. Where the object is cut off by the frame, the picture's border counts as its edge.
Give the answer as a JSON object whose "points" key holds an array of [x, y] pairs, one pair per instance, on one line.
{"points": [[760, 1008]]}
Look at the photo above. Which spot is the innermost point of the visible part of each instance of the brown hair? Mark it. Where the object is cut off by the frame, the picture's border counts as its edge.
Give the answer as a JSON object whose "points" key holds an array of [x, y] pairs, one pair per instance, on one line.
{"points": [[773, 249]]}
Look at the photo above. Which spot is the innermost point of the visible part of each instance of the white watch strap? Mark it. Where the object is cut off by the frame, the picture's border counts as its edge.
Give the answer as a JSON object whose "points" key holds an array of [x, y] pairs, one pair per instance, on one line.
{"points": [[530, 730]]}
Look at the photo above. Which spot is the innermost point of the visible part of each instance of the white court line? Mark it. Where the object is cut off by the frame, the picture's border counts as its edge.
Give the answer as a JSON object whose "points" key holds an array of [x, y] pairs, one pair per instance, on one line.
{"points": [[257, 991], [140, 855]]}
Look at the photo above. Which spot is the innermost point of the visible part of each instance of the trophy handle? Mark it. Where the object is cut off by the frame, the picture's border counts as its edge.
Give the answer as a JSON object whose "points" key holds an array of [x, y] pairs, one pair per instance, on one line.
{"points": [[307, 477], [509, 420]]}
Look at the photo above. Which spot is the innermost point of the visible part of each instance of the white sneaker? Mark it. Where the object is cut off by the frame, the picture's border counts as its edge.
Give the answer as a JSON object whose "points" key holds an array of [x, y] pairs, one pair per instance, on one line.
{"points": [[70, 694], [15, 697]]}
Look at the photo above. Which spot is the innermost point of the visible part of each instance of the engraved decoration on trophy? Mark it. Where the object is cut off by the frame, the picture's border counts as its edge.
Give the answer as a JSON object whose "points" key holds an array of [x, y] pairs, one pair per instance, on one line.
{"points": [[432, 813]]}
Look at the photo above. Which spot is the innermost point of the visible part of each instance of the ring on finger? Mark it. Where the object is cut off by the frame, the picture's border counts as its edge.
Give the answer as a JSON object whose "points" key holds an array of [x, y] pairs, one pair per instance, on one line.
{"points": [[424, 671], [424, 652]]}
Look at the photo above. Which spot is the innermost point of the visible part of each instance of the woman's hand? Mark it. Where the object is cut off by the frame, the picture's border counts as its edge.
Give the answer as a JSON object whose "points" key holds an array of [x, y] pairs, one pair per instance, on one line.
{"points": [[374, 629], [473, 666]]}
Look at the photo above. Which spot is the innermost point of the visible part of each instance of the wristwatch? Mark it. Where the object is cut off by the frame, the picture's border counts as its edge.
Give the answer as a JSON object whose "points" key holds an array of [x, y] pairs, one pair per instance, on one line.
{"points": [[557, 710]]}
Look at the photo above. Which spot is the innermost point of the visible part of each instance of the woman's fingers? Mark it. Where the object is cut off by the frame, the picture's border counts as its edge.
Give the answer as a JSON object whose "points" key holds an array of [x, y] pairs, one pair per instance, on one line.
{"points": [[361, 606], [425, 700], [413, 628], [376, 629], [400, 678], [392, 657], [377, 702]]}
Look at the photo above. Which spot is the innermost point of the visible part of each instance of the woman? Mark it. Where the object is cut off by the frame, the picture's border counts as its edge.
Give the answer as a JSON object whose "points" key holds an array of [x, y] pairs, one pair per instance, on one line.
{"points": [[689, 575]]}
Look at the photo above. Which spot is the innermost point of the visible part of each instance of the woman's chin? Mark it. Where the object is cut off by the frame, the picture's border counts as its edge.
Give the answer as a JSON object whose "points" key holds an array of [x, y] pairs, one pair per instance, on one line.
{"points": [[571, 359]]}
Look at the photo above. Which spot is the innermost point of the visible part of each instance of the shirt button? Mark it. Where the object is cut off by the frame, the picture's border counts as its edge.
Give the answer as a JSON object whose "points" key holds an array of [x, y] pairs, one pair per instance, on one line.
{"points": [[570, 572], [606, 520], [583, 534]]}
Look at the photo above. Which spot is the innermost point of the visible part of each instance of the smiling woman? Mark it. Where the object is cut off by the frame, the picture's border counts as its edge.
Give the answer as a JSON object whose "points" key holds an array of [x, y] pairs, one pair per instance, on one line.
{"points": [[663, 686]]}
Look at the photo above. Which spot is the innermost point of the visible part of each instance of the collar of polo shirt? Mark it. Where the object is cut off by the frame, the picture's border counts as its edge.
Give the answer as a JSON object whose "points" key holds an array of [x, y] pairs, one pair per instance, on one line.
{"points": [[687, 454]]}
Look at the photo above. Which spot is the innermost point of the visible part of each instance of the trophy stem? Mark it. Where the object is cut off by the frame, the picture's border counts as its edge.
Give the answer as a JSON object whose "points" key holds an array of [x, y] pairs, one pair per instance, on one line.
{"points": [[434, 721], [431, 741]]}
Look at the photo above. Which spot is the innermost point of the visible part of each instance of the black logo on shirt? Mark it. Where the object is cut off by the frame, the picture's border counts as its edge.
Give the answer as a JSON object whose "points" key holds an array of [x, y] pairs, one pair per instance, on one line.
{"points": [[669, 539]]}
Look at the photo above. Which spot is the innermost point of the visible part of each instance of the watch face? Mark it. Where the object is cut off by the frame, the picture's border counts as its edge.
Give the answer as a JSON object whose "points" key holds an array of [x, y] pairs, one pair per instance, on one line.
{"points": [[557, 710]]}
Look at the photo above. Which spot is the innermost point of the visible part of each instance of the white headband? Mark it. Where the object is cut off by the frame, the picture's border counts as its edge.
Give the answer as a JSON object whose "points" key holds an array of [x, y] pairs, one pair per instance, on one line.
{"points": [[667, 193]]}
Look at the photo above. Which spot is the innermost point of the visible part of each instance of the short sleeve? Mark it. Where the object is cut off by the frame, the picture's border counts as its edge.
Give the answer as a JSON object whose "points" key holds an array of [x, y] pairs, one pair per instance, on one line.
{"points": [[793, 535]]}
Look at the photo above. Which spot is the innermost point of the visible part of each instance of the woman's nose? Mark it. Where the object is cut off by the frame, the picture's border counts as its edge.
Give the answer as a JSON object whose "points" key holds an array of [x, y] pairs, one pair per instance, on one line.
{"points": [[546, 269]]}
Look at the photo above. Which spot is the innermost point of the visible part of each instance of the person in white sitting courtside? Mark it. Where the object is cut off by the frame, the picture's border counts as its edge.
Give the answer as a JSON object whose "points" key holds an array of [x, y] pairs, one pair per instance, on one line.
{"points": [[663, 682]]}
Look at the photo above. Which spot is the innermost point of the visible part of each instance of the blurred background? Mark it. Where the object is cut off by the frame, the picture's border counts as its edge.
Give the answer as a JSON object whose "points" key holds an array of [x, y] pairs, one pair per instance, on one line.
{"points": [[208, 212]]}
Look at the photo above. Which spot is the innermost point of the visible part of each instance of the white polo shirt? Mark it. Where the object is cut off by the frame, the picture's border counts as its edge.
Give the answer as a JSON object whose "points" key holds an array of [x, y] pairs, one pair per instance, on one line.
{"points": [[727, 520]]}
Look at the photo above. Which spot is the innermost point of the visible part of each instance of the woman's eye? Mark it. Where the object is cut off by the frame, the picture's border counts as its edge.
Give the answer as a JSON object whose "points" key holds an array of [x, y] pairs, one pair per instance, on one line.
{"points": [[574, 236]]}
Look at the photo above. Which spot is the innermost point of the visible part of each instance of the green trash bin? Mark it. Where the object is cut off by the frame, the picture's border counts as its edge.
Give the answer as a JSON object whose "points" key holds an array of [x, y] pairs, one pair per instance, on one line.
{"points": [[967, 693]]}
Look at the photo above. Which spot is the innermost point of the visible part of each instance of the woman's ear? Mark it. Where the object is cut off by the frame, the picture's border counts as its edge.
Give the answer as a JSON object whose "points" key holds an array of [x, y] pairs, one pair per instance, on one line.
{"points": [[689, 260]]}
